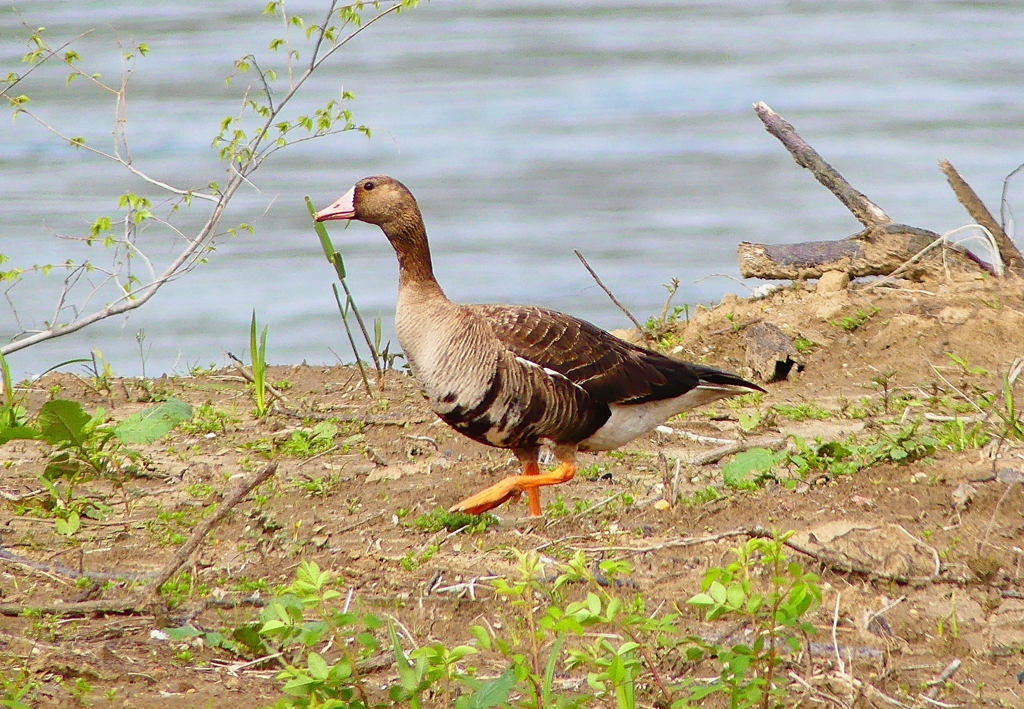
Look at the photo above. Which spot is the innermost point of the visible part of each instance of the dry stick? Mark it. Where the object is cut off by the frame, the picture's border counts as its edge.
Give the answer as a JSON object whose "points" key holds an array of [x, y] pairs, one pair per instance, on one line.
{"points": [[351, 340], [247, 376], [950, 670], [243, 488], [825, 559], [146, 598], [866, 212], [979, 213], [615, 300], [717, 454]]}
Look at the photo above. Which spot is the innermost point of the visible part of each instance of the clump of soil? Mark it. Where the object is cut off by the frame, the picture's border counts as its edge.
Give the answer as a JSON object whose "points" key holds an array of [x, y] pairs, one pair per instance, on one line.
{"points": [[875, 361]]}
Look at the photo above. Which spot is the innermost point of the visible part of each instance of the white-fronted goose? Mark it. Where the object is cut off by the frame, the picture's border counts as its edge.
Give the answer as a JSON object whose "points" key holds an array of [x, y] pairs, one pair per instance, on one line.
{"points": [[519, 377]]}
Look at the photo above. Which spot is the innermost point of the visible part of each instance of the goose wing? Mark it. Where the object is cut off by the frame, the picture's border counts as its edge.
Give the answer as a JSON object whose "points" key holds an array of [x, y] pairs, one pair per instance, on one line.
{"points": [[611, 370]]}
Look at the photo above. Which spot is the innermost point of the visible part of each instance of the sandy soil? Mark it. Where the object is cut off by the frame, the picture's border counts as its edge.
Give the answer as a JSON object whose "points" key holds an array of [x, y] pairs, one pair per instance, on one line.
{"points": [[351, 509]]}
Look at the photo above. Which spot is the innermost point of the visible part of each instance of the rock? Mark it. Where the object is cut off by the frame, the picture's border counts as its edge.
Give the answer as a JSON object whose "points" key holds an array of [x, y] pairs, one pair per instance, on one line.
{"points": [[764, 290], [831, 305], [955, 316], [1009, 475], [963, 495], [662, 504], [770, 352], [833, 281]]}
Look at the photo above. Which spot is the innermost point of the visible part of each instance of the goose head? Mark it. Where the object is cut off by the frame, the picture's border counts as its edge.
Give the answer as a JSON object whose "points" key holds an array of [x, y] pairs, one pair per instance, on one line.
{"points": [[386, 202], [379, 200]]}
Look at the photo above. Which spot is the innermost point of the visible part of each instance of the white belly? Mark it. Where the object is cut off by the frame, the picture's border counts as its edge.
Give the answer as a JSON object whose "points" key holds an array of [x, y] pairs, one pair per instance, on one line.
{"points": [[631, 420]]}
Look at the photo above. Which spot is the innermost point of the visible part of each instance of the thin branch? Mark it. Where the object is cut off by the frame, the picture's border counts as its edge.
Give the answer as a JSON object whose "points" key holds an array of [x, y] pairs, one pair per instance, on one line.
{"points": [[867, 212], [121, 161], [612, 295], [52, 53], [243, 488]]}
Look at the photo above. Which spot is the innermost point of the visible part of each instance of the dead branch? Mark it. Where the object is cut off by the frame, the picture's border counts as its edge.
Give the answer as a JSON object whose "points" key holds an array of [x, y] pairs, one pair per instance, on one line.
{"points": [[243, 488], [147, 598], [866, 212], [881, 248], [1010, 254], [640, 329], [717, 454]]}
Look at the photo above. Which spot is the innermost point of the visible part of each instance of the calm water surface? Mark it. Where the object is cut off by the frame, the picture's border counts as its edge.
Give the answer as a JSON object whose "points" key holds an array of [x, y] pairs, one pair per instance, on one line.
{"points": [[525, 129]]}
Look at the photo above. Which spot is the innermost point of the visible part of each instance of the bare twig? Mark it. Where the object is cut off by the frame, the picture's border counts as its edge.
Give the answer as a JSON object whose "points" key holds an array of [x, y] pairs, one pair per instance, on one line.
{"points": [[936, 686], [774, 444], [243, 488], [867, 212], [611, 295]]}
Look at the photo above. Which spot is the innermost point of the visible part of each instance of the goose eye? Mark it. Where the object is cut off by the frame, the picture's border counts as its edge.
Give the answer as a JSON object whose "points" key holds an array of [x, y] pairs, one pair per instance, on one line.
{"points": [[368, 186]]}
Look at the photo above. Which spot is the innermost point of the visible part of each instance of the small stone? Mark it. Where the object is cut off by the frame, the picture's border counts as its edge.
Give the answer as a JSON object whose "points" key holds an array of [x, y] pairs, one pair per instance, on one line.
{"points": [[955, 316], [1009, 475], [662, 504], [833, 281], [963, 495]]}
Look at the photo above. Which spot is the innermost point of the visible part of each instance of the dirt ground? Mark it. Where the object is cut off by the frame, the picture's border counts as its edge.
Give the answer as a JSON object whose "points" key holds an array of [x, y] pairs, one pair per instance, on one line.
{"points": [[953, 520]]}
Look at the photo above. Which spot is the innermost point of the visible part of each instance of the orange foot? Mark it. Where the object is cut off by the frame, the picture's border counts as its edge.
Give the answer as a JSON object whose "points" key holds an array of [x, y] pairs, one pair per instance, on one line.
{"points": [[512, 486]]}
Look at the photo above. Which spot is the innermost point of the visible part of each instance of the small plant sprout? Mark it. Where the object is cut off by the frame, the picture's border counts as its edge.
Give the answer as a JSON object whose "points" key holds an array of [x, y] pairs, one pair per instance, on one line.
{"points": [[258, 354], [334, 258]]}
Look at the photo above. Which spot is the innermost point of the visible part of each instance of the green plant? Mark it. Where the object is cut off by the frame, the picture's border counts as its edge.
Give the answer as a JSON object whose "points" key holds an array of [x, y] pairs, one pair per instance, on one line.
{"points": [[958, 435], [801, 412], [306, 443], [258, 357], [81, 691], [770, 596], [965, 366], [14, 688], [88, 447], [1013, 420], [337, 262], [737, 473], [851, 322], [882, 382], [207, 419], [181, 587], [453, 521], [803, 345]]}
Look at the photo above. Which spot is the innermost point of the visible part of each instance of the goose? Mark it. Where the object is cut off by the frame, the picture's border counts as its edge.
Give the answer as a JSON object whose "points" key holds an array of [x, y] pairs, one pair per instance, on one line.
{"points": [[521, 377]]}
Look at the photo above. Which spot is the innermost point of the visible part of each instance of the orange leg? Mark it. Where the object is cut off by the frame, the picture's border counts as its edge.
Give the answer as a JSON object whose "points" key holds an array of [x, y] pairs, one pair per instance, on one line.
{"points": [[532, 493], [529, 481]]}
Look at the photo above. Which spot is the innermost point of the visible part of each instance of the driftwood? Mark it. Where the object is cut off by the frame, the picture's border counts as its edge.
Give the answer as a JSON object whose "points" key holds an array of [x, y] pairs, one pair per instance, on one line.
{"points": [[1010, 254], [880, 249]]}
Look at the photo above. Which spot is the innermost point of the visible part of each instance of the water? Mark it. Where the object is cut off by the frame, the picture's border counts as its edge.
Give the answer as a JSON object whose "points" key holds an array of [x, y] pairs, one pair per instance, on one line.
{"points": [[525, 129]]}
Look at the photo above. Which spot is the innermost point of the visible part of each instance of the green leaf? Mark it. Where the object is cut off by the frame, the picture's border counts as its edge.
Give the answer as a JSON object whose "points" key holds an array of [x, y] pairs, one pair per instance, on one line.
{"points": [[756, 460], [317, 666], [321, 231], [153, 423], [23, 433], [68, 526], [183, 633], [63, 421], [494, 692]]}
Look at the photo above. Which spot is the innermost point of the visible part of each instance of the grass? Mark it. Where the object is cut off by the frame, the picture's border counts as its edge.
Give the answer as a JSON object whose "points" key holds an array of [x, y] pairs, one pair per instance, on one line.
{"points": [[850, 323], [441, 519]]}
